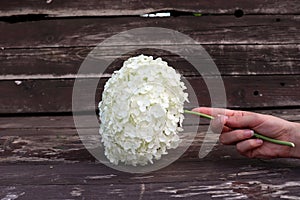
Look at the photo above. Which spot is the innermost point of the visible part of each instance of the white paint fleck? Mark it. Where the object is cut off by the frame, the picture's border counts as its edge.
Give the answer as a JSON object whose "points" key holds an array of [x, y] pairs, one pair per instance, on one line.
{"points": [[18, 82], [116, 191], [224, 195], [159, 14], [289, 197], [227, 156], [51, 76], [76, 192], [232, 190], [13, 195], [10, 197], [100, 177], [48, 1], [142, 191], [253, 172], [142, 177], [234, 73]]}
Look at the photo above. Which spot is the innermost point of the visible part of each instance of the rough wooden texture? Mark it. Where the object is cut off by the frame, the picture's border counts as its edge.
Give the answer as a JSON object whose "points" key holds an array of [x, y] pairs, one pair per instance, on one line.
{"points": [[8, 124], [134, 7], [191, 178], [56, 95], [233, 59], [255, 45], [243, 179], [253, 29], [54, 138], [41, 63], [43, 155]]}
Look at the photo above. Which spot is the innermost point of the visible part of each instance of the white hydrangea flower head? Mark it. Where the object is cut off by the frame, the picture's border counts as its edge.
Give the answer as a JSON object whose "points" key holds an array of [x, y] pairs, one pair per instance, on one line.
{"points": [[141, 111]]}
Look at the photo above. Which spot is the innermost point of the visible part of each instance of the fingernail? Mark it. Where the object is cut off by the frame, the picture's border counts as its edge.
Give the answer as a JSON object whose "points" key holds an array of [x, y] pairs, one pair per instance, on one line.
{"points": [[258, 141], [248, 133], [195, 109]]}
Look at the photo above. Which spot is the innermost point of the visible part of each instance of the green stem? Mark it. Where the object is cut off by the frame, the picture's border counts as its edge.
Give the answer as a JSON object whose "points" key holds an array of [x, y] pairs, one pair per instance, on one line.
{"points": [[290, 144], [199, 114]]}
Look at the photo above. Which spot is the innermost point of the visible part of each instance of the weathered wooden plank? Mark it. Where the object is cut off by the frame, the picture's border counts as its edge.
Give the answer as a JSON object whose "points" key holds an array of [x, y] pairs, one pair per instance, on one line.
{"points": [[232, 175], [30, 123], [240, 189], [35, 94], [51, 145], [134, 7], [98, 174], [180, 171], [48, 63], [27, 96], [261, 91], [55, 139], [64, 144], [256, 29], [231, 179]]}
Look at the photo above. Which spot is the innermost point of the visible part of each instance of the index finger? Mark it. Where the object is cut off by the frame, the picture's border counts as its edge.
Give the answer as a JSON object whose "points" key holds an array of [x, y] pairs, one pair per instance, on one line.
{"points": [[214, 111]]}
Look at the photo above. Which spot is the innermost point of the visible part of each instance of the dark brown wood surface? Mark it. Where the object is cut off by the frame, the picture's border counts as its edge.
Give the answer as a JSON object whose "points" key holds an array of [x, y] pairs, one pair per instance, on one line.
{"points": [[228, 29], [255, 45], [55, 95], [43, 155], [41, 60], [132, 7], [54, 138], [231, 59], [190, 180]]}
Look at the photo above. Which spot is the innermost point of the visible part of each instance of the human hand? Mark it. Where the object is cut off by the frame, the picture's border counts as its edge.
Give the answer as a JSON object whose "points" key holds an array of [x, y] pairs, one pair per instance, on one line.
{"points": [[238, 126]]}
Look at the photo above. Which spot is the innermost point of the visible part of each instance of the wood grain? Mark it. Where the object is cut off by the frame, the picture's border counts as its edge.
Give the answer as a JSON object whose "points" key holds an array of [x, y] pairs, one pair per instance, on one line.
{"points": [[55, 139], [34, 96], [134, 7], [47, 63], [12, 126], [241, 178], [255, 45], [256, 29]]}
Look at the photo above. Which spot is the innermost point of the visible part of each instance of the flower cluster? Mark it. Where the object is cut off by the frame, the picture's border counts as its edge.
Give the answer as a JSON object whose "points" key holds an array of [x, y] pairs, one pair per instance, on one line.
{"points": [[141, 111]]}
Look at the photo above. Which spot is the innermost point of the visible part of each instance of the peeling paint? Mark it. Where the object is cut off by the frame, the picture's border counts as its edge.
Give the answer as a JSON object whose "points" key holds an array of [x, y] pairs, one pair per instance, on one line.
{"points": [[142, 191], [234, 190], [13, 195], [100, 177], [50, 76], [18, 82], [142, 177], [249, 173], [76, 192]]}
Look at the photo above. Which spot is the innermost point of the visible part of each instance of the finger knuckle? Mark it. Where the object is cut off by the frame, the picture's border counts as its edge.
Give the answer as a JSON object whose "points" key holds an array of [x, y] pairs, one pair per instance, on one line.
{"points": [[250, 154], [252, 144], [239, 149], [222, 139]]}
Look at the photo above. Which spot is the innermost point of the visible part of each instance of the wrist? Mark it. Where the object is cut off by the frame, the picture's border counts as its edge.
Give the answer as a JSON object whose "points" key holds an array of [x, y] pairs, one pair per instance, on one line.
{"points": [[295, 138]]}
